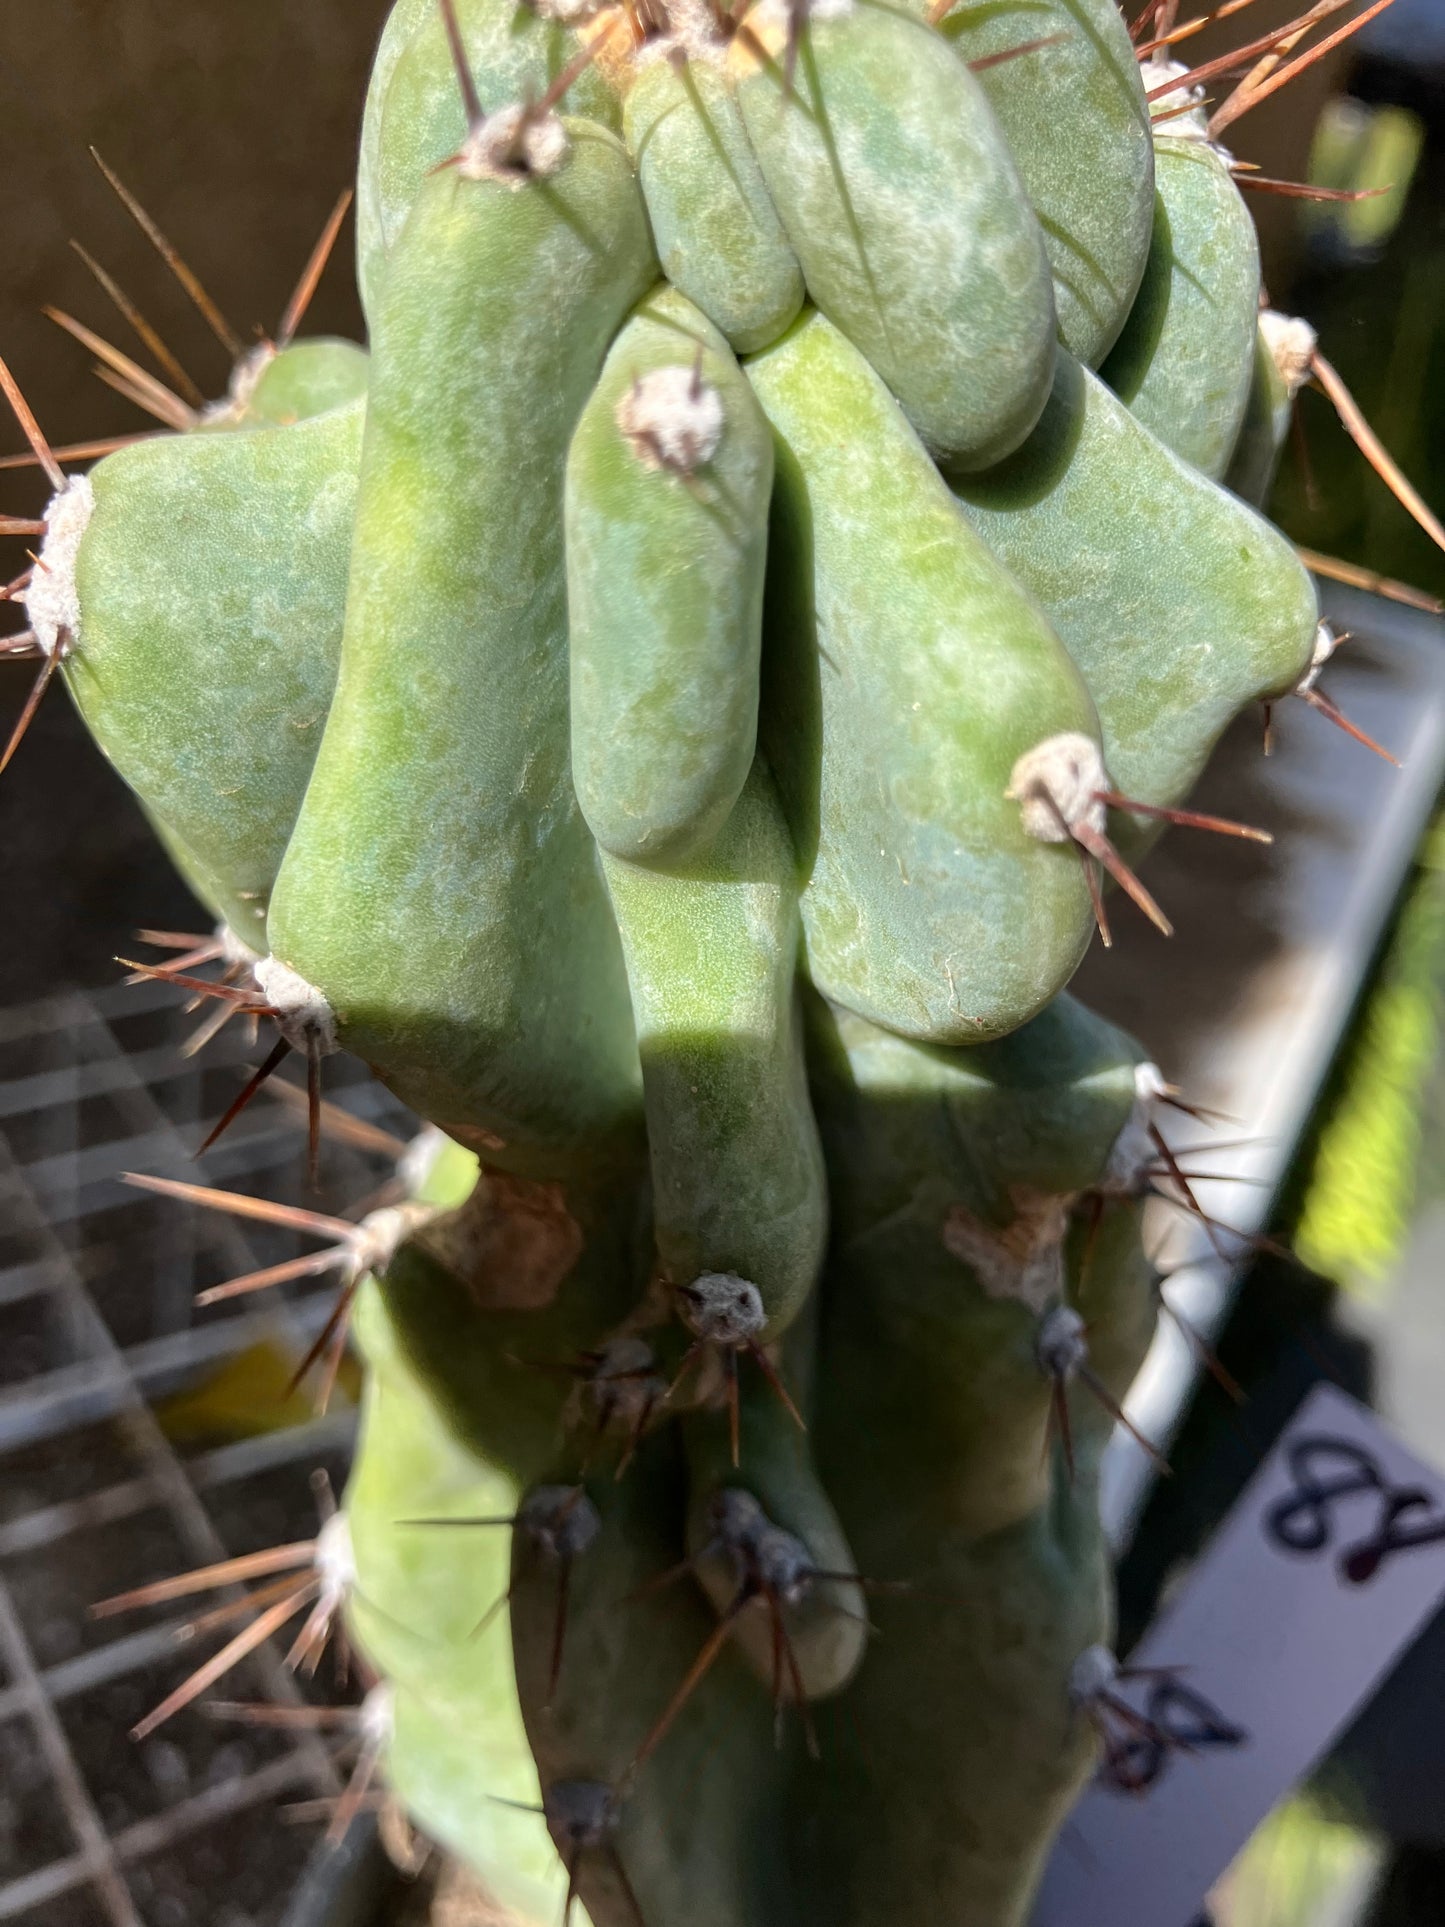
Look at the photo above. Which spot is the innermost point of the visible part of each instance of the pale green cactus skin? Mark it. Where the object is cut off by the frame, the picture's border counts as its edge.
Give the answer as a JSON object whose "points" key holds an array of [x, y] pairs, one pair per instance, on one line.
{"points": [[664, 662], [459, 1749], [218, 724], [454, 671], [1077, 123], [712, 951], [1185, 358], [306, 378], [609, 696], [1082, 514], [718, 235], [896, 635], [905, 209]]}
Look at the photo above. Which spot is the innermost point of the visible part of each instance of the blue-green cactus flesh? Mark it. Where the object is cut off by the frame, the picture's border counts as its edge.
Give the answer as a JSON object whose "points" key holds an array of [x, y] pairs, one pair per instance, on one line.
{"points": [[665, 705]]}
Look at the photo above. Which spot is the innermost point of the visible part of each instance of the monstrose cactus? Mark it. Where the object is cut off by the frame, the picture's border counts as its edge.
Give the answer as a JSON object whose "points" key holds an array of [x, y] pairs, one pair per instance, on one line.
{"points": [[673, 708]]}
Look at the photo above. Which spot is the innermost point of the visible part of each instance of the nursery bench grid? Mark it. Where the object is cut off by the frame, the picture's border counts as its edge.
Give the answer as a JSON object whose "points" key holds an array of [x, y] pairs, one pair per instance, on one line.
{"points": [[93, 1084]]}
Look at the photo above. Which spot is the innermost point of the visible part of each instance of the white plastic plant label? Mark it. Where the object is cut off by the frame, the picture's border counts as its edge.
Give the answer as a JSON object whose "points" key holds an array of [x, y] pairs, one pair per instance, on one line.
{"points": [[1329, 1565]]}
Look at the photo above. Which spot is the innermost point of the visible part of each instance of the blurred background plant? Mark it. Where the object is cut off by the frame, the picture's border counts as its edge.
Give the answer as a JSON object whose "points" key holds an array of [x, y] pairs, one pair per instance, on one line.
{"points": [[1370, 276]]}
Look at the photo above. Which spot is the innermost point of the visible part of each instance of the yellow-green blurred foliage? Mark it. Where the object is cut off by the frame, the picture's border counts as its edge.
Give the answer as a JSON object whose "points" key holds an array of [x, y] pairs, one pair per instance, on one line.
{"points": [[1295, 1865], [251, 1392], [1360, 1190]]}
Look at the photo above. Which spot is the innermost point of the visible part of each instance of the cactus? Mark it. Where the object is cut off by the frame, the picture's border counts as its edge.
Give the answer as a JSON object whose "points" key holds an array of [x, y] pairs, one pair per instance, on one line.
{"points": [[670, 708], [1185, 356]]}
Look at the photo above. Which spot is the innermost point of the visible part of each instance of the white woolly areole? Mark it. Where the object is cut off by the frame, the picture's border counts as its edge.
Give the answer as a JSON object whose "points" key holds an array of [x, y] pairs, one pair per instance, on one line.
{"points": [[1291, 343], [1150, 1083], [737, 1519], [1134, 1151], [1059, 1343], [1055, 785], [376, 1717], [579, 1814], [52, 600], [303, 1015], [1023, 1260], [565, 12], [1192, 126], [1327, 641], [515, 145], [673, 419], [722, 1308], [560, 1520], [378, 1236], [784, 1565], [1092, 1673], [417, 1161], [692, 32], [334, 1561]]}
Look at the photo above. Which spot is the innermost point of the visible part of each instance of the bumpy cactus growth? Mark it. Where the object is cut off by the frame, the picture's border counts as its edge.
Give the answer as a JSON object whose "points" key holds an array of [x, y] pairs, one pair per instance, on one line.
{"points": [[670, 712]]}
